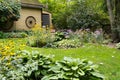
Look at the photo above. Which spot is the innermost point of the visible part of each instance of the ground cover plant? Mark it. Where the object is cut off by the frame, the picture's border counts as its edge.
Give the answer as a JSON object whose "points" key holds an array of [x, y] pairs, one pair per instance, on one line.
{"points": [[106, 58], [18, 64], [17, 34]]}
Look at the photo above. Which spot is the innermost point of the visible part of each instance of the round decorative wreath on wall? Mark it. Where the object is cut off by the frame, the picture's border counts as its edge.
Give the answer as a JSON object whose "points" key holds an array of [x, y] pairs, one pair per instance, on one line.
{"points": [[30, 21]]}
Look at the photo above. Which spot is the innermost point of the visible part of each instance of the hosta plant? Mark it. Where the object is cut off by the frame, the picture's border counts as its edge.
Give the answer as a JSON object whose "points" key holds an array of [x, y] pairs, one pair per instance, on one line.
{"points": [[26, 65], [118, 45], [73, 69], [68, 43], [59, 36]]}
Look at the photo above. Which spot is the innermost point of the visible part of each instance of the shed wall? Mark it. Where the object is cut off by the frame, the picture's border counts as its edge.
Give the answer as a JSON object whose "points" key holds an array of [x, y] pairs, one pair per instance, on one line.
{"points": [[24, 13]]}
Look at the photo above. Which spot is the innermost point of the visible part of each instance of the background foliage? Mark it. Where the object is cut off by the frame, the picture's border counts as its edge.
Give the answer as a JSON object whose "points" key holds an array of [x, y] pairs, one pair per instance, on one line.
{"points": [[9, 9], [76, 14]]}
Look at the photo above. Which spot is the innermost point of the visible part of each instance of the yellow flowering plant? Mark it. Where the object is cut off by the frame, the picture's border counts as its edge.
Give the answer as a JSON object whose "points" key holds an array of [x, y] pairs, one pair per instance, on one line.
{"points": [[8, 51], [9, 48], [9, 56], [40, 36]]}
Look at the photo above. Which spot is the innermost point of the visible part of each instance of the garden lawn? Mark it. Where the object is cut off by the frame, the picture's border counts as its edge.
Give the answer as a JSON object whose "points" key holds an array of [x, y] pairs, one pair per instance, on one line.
{"points": [[107, 58]]}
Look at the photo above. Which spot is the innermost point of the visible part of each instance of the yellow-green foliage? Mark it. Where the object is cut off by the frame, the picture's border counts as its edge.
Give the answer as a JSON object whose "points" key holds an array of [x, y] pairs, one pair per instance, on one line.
{"points": [[8, 49], [8, 54], [40, 36], [37, 27]]}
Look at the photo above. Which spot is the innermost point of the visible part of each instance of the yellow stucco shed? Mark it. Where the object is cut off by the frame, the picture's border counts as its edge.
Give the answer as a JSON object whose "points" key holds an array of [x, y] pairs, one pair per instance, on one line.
{"points": [[30, 14]]}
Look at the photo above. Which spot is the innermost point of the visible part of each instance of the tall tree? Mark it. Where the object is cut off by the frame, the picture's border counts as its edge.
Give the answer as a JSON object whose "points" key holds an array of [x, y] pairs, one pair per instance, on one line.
{"points": [[117, 20], [114, 13], [110, 11], [111, 17]]}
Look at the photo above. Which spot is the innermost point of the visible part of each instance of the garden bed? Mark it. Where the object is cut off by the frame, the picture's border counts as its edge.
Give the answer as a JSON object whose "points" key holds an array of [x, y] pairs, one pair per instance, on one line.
{"points": [[107, 58]]}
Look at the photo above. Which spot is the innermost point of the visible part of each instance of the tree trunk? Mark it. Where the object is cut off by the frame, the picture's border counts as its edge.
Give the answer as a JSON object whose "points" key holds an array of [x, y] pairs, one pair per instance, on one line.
{"points": [[110, 11], [117, 19], [114, 19]]}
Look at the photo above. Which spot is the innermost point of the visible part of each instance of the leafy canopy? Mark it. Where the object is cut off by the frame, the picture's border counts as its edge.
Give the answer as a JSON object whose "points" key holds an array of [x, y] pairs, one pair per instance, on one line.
{"points": [[9, 9], [76, 14]]}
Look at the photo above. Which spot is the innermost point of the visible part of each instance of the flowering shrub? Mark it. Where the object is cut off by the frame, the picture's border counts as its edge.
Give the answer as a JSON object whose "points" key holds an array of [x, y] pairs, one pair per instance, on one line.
{"points": [[40, 37], [86, 36]]}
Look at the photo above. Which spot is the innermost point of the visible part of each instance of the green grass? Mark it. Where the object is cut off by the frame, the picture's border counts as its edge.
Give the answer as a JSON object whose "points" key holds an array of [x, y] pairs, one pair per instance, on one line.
{"points": [[107, 58]]}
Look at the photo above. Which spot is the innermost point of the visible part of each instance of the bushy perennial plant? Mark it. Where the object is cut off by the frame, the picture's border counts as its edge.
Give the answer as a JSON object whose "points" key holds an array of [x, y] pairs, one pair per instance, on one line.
{"points": [[40, 37], [13, 34], [34, 66], [87, 36], [68, 43]]}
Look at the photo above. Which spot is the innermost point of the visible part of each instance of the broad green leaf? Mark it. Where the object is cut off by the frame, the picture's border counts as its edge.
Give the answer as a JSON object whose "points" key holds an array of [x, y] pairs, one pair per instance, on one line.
{"points": [[81, 72], [50, 77], [96, 74], [74, 67], [55, 69], [69, 73], [75, 79], [66, 68]]}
